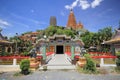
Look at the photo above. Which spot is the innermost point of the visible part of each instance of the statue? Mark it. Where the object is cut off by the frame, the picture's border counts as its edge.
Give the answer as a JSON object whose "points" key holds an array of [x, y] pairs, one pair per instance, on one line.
{"points": [[33, 54]]}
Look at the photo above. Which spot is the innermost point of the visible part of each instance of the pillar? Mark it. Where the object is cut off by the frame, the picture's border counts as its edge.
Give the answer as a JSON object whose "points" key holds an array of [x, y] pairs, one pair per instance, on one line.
{"points": [[113, 50], [11, 50], [72, 52], [44, 52], [6, 49]]}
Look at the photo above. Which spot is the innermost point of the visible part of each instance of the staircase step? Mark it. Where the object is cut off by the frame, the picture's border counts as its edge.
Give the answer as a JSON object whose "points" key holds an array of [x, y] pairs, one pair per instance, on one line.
{"points": [[59, 67]]}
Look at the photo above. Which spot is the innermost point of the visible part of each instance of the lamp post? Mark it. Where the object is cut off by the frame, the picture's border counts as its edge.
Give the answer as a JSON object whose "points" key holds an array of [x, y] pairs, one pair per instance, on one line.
{"points": [[16, 43], [45, 37]]}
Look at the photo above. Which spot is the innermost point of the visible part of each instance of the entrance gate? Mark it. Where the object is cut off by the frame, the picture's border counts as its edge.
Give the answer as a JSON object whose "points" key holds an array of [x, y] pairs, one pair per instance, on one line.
{"points": [[59, 49]]}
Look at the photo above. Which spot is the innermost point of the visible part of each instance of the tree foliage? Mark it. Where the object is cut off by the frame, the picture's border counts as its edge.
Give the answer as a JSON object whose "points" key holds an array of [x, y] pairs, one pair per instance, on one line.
{"points": [[95, 39], [51, 30]]}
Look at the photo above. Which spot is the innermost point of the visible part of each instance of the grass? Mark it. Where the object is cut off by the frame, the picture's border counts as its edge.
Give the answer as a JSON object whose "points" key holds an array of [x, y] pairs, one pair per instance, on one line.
{"points": [[65, 70], [17, 74], [117, 70], [81, 70]]}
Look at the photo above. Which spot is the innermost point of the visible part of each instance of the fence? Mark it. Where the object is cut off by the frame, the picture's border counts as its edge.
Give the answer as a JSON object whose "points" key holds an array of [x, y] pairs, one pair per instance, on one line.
{"points": [[105, 59], [13, 60]]}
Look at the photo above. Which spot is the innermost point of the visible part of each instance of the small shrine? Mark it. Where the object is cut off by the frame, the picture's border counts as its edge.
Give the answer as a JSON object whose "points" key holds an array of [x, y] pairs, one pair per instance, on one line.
{"points": [[115, 41], [5, 46]]}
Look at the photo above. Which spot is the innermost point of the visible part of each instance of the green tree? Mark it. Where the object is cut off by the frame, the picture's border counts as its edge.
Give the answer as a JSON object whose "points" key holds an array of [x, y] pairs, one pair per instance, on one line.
{"points": [[24, 66], [50, 31]]}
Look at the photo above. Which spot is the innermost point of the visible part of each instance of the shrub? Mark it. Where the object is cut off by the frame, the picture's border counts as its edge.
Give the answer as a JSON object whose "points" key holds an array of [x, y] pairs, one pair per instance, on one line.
{"points": [[25, 53], [5, 54], [45, 68], [24, 66], [118, 61], [90, 64]]}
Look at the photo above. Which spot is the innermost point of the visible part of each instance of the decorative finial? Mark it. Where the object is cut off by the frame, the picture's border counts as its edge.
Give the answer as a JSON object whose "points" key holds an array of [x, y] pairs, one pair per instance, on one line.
{"points": [[0, 29], [119, 26], [71, 10]]}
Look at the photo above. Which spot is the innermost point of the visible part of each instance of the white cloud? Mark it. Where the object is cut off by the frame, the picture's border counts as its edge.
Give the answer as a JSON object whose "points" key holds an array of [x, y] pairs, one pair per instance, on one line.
{"points": [[84, 4], [96, 3], [74, 4], [4, 24], [62, 13], [67, 7], [32, 11]]}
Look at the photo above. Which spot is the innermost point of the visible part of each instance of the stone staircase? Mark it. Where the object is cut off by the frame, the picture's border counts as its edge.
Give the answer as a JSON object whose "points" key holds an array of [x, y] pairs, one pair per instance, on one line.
{"points": [[59, 61]]}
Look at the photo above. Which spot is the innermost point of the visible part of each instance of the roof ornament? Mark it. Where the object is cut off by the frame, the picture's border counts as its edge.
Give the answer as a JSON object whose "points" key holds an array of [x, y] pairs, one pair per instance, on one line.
{"points": [[119, 26], [0, 29], [71, 10]]}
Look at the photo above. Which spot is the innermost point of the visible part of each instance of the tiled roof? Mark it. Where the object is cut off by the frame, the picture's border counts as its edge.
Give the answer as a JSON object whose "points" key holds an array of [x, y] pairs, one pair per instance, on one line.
{"points": [[115, 38]]}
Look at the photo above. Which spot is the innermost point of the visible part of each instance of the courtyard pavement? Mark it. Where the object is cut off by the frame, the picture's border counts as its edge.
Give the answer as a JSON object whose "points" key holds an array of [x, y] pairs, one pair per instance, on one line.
{"points": [[58, 75], [60, 61]]}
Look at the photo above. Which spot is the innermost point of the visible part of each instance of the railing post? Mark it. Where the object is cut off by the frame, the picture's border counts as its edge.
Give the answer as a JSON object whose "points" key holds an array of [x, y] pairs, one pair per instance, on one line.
{"points": [[102, 61], [14, 62]]}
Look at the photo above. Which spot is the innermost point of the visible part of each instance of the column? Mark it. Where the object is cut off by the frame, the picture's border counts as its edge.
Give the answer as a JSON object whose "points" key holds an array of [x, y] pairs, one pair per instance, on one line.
{"points": [[113, 50], [6, 49], [11, 51], [72, 52], [44, 52]]}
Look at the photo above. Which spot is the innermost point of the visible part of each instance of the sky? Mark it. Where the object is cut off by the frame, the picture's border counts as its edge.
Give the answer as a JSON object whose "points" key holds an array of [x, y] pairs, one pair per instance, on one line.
{"points": [[19, 16]]}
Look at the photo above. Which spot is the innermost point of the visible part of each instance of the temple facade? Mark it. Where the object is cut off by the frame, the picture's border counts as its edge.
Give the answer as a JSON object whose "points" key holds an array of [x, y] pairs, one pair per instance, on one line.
{"points": [[59, 44], [114, 42]]}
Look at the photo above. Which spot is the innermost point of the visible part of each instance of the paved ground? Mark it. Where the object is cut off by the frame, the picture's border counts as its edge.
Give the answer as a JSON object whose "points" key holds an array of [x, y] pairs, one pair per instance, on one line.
{"points": [[9, 68], [59, 61], [58, 75]]}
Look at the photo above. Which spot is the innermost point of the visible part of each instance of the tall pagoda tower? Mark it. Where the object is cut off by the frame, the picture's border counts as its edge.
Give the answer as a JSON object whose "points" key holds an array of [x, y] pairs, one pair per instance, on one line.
{"points": [[71, 21], [53, 21]]}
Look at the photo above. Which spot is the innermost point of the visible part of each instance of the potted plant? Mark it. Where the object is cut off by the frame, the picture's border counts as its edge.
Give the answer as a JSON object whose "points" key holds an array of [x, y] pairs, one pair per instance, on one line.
{"points": [[24, 66]]}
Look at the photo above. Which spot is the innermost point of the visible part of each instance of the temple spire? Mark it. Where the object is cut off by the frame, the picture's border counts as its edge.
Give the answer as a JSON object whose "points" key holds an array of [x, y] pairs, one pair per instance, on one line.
{"points": [[71, 20]]}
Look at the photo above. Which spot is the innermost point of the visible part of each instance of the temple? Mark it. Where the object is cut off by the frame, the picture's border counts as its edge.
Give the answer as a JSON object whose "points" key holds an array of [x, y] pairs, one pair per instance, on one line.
{"points": [[5, 46], [114, 42], [72, 22], [59, 44]]}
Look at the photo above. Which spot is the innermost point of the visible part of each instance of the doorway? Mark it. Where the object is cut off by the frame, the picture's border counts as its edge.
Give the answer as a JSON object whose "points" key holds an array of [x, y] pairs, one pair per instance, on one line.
{"points": [[59, 49]]}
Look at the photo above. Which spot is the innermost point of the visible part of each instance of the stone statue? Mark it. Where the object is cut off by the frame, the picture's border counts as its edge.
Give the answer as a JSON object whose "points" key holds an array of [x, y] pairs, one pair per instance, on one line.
{"points": [[33, 54]]}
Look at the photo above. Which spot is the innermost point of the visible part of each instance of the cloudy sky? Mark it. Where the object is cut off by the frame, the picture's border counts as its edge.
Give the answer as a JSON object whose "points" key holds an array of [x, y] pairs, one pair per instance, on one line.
{"points": [[18, 16]]}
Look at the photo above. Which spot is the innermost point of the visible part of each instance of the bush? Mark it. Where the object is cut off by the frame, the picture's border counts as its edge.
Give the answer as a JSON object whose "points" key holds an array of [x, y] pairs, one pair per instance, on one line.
{"points": [[118, 61], [25, 53], [90, 64], [45, 68], [5, 54], [24, 66]]}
